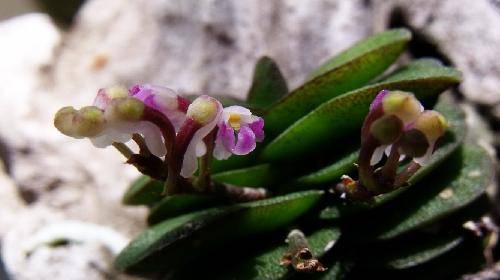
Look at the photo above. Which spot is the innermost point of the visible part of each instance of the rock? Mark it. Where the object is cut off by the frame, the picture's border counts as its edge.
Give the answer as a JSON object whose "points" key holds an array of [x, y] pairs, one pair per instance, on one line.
{"points": [[465, 33], [202, 46], [52, 177]]}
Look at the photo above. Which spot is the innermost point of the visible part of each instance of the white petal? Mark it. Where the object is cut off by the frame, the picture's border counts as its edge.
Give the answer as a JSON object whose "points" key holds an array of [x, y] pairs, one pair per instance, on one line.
{"points": [[235, 109], [190, 164], [220, 152], [165, 97], [378, 154], [388, 152], [101, 141], [201, 149], [426, 157], [153, 139]]}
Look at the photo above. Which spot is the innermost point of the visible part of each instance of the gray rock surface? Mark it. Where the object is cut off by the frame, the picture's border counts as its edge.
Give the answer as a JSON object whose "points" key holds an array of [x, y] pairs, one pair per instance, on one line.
{"points": [[202, 46], [468, 33], [53, 178]]}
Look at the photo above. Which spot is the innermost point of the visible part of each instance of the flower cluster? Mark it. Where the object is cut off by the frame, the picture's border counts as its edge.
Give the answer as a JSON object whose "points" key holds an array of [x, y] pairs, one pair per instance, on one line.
{"points": [[163, 124], [398, 126]]}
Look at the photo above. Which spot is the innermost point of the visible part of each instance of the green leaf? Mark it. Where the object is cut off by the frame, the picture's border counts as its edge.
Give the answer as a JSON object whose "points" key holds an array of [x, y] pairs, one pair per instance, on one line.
{"points": [[235, 162], [179, 240], [452, 139], [268, 84], [175, 205], [419, 252], [143, 191], [259, 176], [347, 71], [458, 182], [342, 116], [330, 173], [266, 264]]}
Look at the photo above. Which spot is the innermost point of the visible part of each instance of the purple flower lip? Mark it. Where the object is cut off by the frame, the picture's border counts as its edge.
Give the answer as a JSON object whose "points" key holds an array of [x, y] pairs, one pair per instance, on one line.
{"points": [[239, 131]]}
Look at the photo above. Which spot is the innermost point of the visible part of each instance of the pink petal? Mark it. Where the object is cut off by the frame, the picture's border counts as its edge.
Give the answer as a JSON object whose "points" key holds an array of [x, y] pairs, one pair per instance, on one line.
{"points": [[246, 141], [378, 99], [224, 143], [258, 129], [102, 99], [226, 136]]}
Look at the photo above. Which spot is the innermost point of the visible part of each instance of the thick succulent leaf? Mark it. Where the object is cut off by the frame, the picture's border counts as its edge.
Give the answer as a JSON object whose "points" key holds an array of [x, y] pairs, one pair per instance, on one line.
{"points": [[266, 265], [259, 176], [349, 70], [453, 138], [143, 191], [178, 240], [458, 182], [268, 84], [330, 173], [175, 205], [418, 253], [341, 117], [235, 162]]}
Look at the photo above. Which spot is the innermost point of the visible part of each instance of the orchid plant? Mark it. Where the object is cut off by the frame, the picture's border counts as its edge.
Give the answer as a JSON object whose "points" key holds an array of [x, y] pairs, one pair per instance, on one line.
{"points": [[365, 171]]}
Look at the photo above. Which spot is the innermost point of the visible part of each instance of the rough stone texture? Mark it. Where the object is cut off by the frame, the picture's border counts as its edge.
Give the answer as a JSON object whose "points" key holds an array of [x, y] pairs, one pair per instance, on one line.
{"points": [[202, 46], [467, 33], [205, 46], [59, 178]]}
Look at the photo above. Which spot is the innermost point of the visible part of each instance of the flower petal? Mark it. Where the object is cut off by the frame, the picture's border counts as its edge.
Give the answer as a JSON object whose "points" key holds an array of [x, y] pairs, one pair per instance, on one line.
{"points": [[246, 141], [153, 138], [423, 160], [162, 99], [378, 154], [258, 129], [226, 136], [378, 99], [220, 151]]}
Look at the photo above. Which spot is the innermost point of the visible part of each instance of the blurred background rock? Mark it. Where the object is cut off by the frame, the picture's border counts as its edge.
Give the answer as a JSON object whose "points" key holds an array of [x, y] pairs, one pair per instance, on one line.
{"points": [[56, 188]]}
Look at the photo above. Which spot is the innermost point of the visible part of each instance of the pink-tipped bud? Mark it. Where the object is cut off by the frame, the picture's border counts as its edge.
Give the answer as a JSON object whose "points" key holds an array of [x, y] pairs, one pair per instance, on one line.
{"points": [[403, 105], [86, 122], [203, 110], [387, 129], [432, 124]]}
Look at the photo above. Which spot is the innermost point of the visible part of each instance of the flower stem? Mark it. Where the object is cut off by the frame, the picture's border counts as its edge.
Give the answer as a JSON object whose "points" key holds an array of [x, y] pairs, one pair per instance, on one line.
{"points": [[388, 173], [123, 149], [404, 175], [143, 148], [204, 180], [365, 169]]}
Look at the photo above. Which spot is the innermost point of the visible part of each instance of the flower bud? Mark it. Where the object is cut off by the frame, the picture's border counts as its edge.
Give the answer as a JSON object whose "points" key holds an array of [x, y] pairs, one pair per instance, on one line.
{"points": [[125, 109], [402, 104], [90, 121], [203, 110], [63, 121], [86, 122], [387, 129], [432, 124], [413, 143], [116, 92]]}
